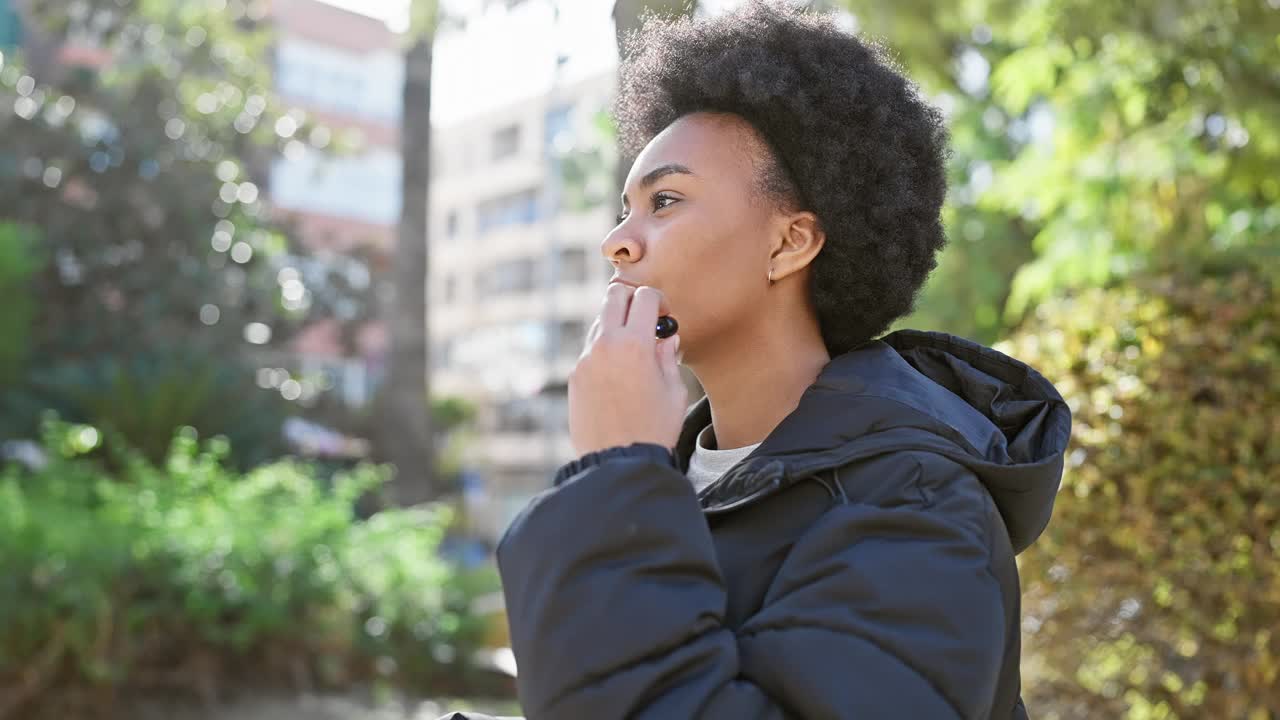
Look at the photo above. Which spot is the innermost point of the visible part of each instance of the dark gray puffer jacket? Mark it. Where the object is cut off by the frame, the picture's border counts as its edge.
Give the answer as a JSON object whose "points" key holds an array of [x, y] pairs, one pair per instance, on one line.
{"points": [[858, 564]]}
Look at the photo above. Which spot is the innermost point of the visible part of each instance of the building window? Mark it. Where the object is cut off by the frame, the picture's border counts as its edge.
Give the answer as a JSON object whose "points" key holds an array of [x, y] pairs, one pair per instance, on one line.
{"points": [[573, 335], [573, 266], [450, 288], [506, 143], [558, 129], [519, 208], [442, 354], [348, 379], [517, 416], [510, 276], [466, 158], [451, 225]]}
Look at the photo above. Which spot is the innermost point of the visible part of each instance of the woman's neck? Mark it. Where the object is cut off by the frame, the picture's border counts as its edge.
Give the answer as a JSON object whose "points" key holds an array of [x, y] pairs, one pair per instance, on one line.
{"points": [[757, 379]]}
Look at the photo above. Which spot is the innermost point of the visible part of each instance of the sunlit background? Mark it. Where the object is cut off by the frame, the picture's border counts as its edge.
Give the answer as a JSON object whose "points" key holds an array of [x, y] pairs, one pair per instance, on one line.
{"points": [[261, 427]]}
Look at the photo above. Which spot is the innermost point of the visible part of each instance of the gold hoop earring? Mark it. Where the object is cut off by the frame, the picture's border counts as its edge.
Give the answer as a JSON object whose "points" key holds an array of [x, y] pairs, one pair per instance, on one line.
{"points": [[770, 276]]}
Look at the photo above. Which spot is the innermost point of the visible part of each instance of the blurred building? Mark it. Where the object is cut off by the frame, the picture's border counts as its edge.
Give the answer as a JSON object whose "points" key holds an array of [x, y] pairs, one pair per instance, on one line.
{"points": [[345, 72], [10, 30], [342, 71], [48, 55], [516, 277]]}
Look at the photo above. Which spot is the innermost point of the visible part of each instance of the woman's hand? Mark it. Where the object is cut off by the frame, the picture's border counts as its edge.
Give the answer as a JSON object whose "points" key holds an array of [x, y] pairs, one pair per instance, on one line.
{"points": [[626, 387]]}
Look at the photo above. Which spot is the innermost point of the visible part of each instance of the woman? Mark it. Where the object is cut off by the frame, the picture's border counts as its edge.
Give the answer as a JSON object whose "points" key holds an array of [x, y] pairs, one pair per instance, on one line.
{"points": [[831, 531]]}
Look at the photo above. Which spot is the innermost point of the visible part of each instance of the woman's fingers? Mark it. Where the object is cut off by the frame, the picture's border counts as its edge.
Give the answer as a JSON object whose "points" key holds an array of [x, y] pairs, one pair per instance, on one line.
{"points": [[642, 317], [669, 358], [592, 333], [616, 301], [627, 309]]}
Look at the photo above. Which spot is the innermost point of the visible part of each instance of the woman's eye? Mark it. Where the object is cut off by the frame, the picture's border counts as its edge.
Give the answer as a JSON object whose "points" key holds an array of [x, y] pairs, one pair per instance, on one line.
{"points": [[660, 201]]}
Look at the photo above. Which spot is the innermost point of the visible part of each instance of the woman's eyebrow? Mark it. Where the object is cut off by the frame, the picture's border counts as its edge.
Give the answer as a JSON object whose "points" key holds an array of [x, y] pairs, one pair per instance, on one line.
{"points": [[660, 172]]}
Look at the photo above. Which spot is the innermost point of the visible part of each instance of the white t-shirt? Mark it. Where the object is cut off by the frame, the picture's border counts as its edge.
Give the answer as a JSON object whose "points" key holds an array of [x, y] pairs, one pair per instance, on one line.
{"points": [[707, 465]]}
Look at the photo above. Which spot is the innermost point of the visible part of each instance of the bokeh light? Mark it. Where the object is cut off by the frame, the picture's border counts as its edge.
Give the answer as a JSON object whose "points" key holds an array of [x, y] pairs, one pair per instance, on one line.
{"points": [[209, 314], [242, 252], [257, 333]]}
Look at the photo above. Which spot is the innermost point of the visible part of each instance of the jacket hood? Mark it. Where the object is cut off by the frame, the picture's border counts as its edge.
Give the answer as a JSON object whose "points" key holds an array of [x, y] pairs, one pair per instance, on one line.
{"points": [[913, 390]]}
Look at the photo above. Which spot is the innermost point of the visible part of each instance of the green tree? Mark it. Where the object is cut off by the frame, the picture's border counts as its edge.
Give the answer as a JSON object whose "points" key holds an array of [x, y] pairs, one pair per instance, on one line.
{"points": [[1164, 138], [1134, 146], [941, 47], [17, 263], [141, 175], [138, 177], [1095, 138]]}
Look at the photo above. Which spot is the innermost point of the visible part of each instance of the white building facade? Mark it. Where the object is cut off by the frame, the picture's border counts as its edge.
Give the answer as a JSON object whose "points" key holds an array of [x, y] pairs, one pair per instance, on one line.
{"points": [[516, 277], [343, 71]]}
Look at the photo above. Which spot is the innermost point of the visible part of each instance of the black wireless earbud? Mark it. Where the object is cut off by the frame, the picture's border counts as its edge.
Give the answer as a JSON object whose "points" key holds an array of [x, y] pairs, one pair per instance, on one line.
{"points": [[667, 326]]}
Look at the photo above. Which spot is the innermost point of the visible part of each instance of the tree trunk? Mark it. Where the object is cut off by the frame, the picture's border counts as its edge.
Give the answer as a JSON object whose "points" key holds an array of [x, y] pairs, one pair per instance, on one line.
{"points": [[403, 422]]}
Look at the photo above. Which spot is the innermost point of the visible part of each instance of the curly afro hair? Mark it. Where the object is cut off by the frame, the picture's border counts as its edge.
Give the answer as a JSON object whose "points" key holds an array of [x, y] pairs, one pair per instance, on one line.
{"points": [[851, 140]]}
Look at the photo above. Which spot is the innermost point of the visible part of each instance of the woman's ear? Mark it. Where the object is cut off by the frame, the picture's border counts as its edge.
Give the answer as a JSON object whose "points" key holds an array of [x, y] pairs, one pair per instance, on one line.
{"points": [[799, 239]]}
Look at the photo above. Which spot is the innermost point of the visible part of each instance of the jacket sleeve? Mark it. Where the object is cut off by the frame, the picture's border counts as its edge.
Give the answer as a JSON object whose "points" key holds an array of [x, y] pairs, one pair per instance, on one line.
{"points": [[616, 603]]}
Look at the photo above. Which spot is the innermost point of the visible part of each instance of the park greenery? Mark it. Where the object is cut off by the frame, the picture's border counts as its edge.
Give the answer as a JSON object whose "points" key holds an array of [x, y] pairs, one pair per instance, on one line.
{"points": [[1114, 220], [191, 577], [1115, 215]]}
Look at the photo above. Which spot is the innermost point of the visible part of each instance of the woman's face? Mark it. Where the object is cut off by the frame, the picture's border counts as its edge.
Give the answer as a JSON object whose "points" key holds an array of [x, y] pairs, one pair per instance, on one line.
{"points": [[694, 225]]}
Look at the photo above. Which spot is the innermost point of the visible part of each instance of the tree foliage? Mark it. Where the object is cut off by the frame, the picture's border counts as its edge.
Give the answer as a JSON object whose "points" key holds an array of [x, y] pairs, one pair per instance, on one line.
{"points": [[139, 178], [1155, 592], [1095, 138], [1164, 140], [1114, 196], [17, 264]]}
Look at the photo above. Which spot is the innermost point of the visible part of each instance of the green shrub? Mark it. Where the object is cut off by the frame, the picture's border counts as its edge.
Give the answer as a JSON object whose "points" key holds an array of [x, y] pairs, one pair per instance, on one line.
{"points": [[18, 262], [190, 574], [1155, 592], [141, 400]]}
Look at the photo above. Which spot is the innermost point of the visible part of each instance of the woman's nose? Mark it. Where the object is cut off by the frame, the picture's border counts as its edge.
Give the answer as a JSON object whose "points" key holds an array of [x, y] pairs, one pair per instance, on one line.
{"points": [[621, 247]]}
